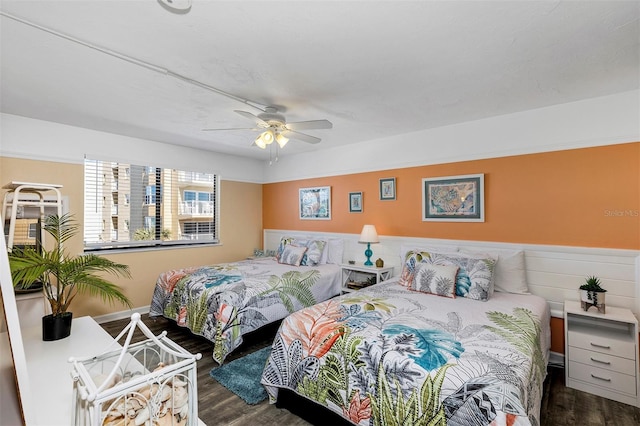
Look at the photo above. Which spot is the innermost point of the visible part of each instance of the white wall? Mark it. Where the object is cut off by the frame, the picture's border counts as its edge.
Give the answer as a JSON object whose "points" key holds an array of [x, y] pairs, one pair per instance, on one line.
{"points": [[43, 140], [599, 121]]}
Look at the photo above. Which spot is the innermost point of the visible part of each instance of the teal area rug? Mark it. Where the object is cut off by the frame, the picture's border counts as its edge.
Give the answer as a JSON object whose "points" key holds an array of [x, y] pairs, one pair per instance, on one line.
{"points": [[242, 376]]}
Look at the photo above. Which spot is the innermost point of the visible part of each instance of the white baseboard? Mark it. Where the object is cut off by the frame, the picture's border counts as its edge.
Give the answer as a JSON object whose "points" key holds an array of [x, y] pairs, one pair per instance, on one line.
{"points": [[121, 315]]}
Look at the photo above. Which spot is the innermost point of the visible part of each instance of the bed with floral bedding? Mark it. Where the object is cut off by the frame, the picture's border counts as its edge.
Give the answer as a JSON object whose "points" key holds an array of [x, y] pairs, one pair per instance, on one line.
{"points": [[223, 302], [412, 351]]}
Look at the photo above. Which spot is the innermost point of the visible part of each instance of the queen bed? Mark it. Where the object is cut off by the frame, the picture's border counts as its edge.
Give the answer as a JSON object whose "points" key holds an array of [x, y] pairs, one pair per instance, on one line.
{"points": [[435, 345], [224, 302]]}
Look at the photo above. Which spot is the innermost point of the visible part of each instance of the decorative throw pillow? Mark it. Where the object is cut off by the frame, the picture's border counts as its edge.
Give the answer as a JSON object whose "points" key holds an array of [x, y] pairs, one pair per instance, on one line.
{"points": [[475, 273], [284, 241], [411, 259], [314, 252], [435, 279], [292, 255], [510, 271]]}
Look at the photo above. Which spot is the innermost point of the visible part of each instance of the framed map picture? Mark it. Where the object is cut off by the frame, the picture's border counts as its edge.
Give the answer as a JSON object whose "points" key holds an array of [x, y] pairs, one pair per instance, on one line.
{"points": [[453, 198], [315, 203]]}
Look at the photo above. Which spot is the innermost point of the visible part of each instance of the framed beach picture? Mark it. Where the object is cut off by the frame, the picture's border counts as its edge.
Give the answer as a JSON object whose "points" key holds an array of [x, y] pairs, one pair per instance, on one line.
{"points": [[453, 198], [315, 203], [388, 189], [355, 202]]}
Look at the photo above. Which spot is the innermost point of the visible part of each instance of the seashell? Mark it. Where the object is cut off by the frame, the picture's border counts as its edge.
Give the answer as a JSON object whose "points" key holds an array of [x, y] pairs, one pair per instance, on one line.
{"points": [[165, 393], [162, 410], [112, 420], [180, 398], [181, 413], [135, 403], [165, 421], [142, 417], [178, 383], [148, 391]]}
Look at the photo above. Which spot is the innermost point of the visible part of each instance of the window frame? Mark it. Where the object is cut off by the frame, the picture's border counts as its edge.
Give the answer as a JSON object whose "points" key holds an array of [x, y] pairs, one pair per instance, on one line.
{"points": [[176, 181]]}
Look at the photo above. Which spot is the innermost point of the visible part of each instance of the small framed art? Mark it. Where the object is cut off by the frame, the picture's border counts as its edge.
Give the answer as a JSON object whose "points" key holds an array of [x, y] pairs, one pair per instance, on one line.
{"points": [[453, 198], [315, 203], [388, 189], [355, 202]]}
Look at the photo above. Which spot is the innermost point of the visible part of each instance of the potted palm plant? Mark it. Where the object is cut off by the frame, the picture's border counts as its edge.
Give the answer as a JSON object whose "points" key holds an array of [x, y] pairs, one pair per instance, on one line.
{"points": [[63, 275], [592, 294]]}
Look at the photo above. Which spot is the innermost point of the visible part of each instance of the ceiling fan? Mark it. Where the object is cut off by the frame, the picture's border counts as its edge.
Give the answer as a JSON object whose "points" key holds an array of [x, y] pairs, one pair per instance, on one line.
{"points": [[274, 128]]}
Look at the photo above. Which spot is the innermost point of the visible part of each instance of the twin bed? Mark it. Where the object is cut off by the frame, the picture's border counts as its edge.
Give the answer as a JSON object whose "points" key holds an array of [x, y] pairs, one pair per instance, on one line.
{"points": [[226, 301], [436, 344]]}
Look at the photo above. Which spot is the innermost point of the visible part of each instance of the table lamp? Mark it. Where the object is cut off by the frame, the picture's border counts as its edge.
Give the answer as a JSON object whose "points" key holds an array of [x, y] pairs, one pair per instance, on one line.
{"points": [[368, 236]]}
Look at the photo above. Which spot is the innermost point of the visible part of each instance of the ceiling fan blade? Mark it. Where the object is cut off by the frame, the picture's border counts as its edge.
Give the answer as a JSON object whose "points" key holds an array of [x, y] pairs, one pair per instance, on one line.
{"points": [[312, 124], [232, 128], [301, 136], [253, 117]]}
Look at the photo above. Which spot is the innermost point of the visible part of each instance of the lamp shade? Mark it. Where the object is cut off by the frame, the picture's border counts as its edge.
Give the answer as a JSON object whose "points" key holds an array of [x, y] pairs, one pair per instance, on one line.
{"points": [[369, 235], [282, 141], [268, 137], [260, 142]]}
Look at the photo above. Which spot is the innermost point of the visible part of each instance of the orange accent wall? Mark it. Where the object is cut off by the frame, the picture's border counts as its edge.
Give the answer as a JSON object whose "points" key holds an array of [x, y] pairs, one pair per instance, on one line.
{"points": [[588, 197]]}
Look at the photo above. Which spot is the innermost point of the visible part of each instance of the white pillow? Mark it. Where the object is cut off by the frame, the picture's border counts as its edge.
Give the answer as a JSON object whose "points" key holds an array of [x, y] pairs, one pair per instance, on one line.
{"points": [[510, 270], [334, 251], [406, 247]]}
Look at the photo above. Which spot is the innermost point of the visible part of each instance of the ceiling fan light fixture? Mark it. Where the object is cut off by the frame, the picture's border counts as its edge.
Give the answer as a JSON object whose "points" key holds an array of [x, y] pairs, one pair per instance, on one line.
{"points": [[281, 139], [268, 137], [260, 142]]}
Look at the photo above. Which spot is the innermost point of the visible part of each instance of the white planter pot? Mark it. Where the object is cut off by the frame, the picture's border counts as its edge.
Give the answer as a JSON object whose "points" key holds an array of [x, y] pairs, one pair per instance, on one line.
{"points": [[592, 298]]}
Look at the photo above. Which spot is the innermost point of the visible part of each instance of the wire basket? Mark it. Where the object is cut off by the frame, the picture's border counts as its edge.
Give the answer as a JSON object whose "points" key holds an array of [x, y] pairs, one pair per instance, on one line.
{"points": [[153, 382]]}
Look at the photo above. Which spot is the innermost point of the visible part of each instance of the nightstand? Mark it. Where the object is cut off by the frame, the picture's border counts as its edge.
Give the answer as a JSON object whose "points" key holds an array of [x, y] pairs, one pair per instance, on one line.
{"points": [[357, 276], [601, 352]]}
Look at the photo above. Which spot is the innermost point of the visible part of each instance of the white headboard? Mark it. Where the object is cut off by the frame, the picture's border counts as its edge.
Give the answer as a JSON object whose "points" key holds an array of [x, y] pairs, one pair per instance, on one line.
{"points": [[553, 272]]}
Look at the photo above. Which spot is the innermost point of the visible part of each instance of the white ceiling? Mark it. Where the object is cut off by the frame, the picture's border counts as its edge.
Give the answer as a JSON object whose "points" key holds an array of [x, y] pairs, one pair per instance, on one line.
{"points": [[373, 68]]}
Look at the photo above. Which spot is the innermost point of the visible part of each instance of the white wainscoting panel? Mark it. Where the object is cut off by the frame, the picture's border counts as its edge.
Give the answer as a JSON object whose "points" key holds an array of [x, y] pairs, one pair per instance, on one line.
{"points": [[553, 272]]}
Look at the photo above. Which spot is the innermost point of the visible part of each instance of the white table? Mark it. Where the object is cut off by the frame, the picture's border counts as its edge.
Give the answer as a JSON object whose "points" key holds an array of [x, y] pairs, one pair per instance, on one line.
{"points": [[601, 352], [358, 271], [49, 370]]}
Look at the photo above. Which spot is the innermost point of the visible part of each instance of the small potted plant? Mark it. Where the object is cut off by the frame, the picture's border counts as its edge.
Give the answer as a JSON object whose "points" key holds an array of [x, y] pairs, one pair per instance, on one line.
{"points": [[63, 276], [592, 294]]}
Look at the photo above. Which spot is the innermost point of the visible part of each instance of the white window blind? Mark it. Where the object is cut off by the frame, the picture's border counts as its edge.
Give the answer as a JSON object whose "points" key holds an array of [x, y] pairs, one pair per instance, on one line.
{"points": [[132, 206]]}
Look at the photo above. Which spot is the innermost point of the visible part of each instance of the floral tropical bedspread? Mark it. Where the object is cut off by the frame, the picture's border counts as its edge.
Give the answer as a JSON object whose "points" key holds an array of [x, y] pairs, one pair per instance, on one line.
{"points": [[224, 302], [386, 355]]}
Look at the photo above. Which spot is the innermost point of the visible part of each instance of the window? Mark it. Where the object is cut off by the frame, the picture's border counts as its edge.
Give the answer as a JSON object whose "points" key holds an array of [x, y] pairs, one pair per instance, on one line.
{"points": [[33, 230], [163, 206], [197, 230], [197, 203]]}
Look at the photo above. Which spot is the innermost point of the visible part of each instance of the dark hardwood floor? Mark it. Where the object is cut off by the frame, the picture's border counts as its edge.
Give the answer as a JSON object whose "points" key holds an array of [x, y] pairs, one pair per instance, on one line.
{"points": [[219, 406]]}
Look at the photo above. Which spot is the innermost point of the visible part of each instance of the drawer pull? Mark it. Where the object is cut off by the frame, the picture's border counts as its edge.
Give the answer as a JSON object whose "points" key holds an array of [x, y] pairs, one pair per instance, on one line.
{"points": [[600, 346], [600, 362], [600, 378]]}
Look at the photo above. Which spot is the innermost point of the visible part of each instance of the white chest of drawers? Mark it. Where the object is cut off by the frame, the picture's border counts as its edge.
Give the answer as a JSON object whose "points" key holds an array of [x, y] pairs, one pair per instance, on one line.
{"points": [[601, 352]]}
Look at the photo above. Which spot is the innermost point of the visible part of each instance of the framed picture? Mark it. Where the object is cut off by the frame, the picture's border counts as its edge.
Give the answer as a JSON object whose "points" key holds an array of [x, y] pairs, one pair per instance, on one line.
{"points": [[355, 202], [315, 203], [453, 198], [388, 189]]}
